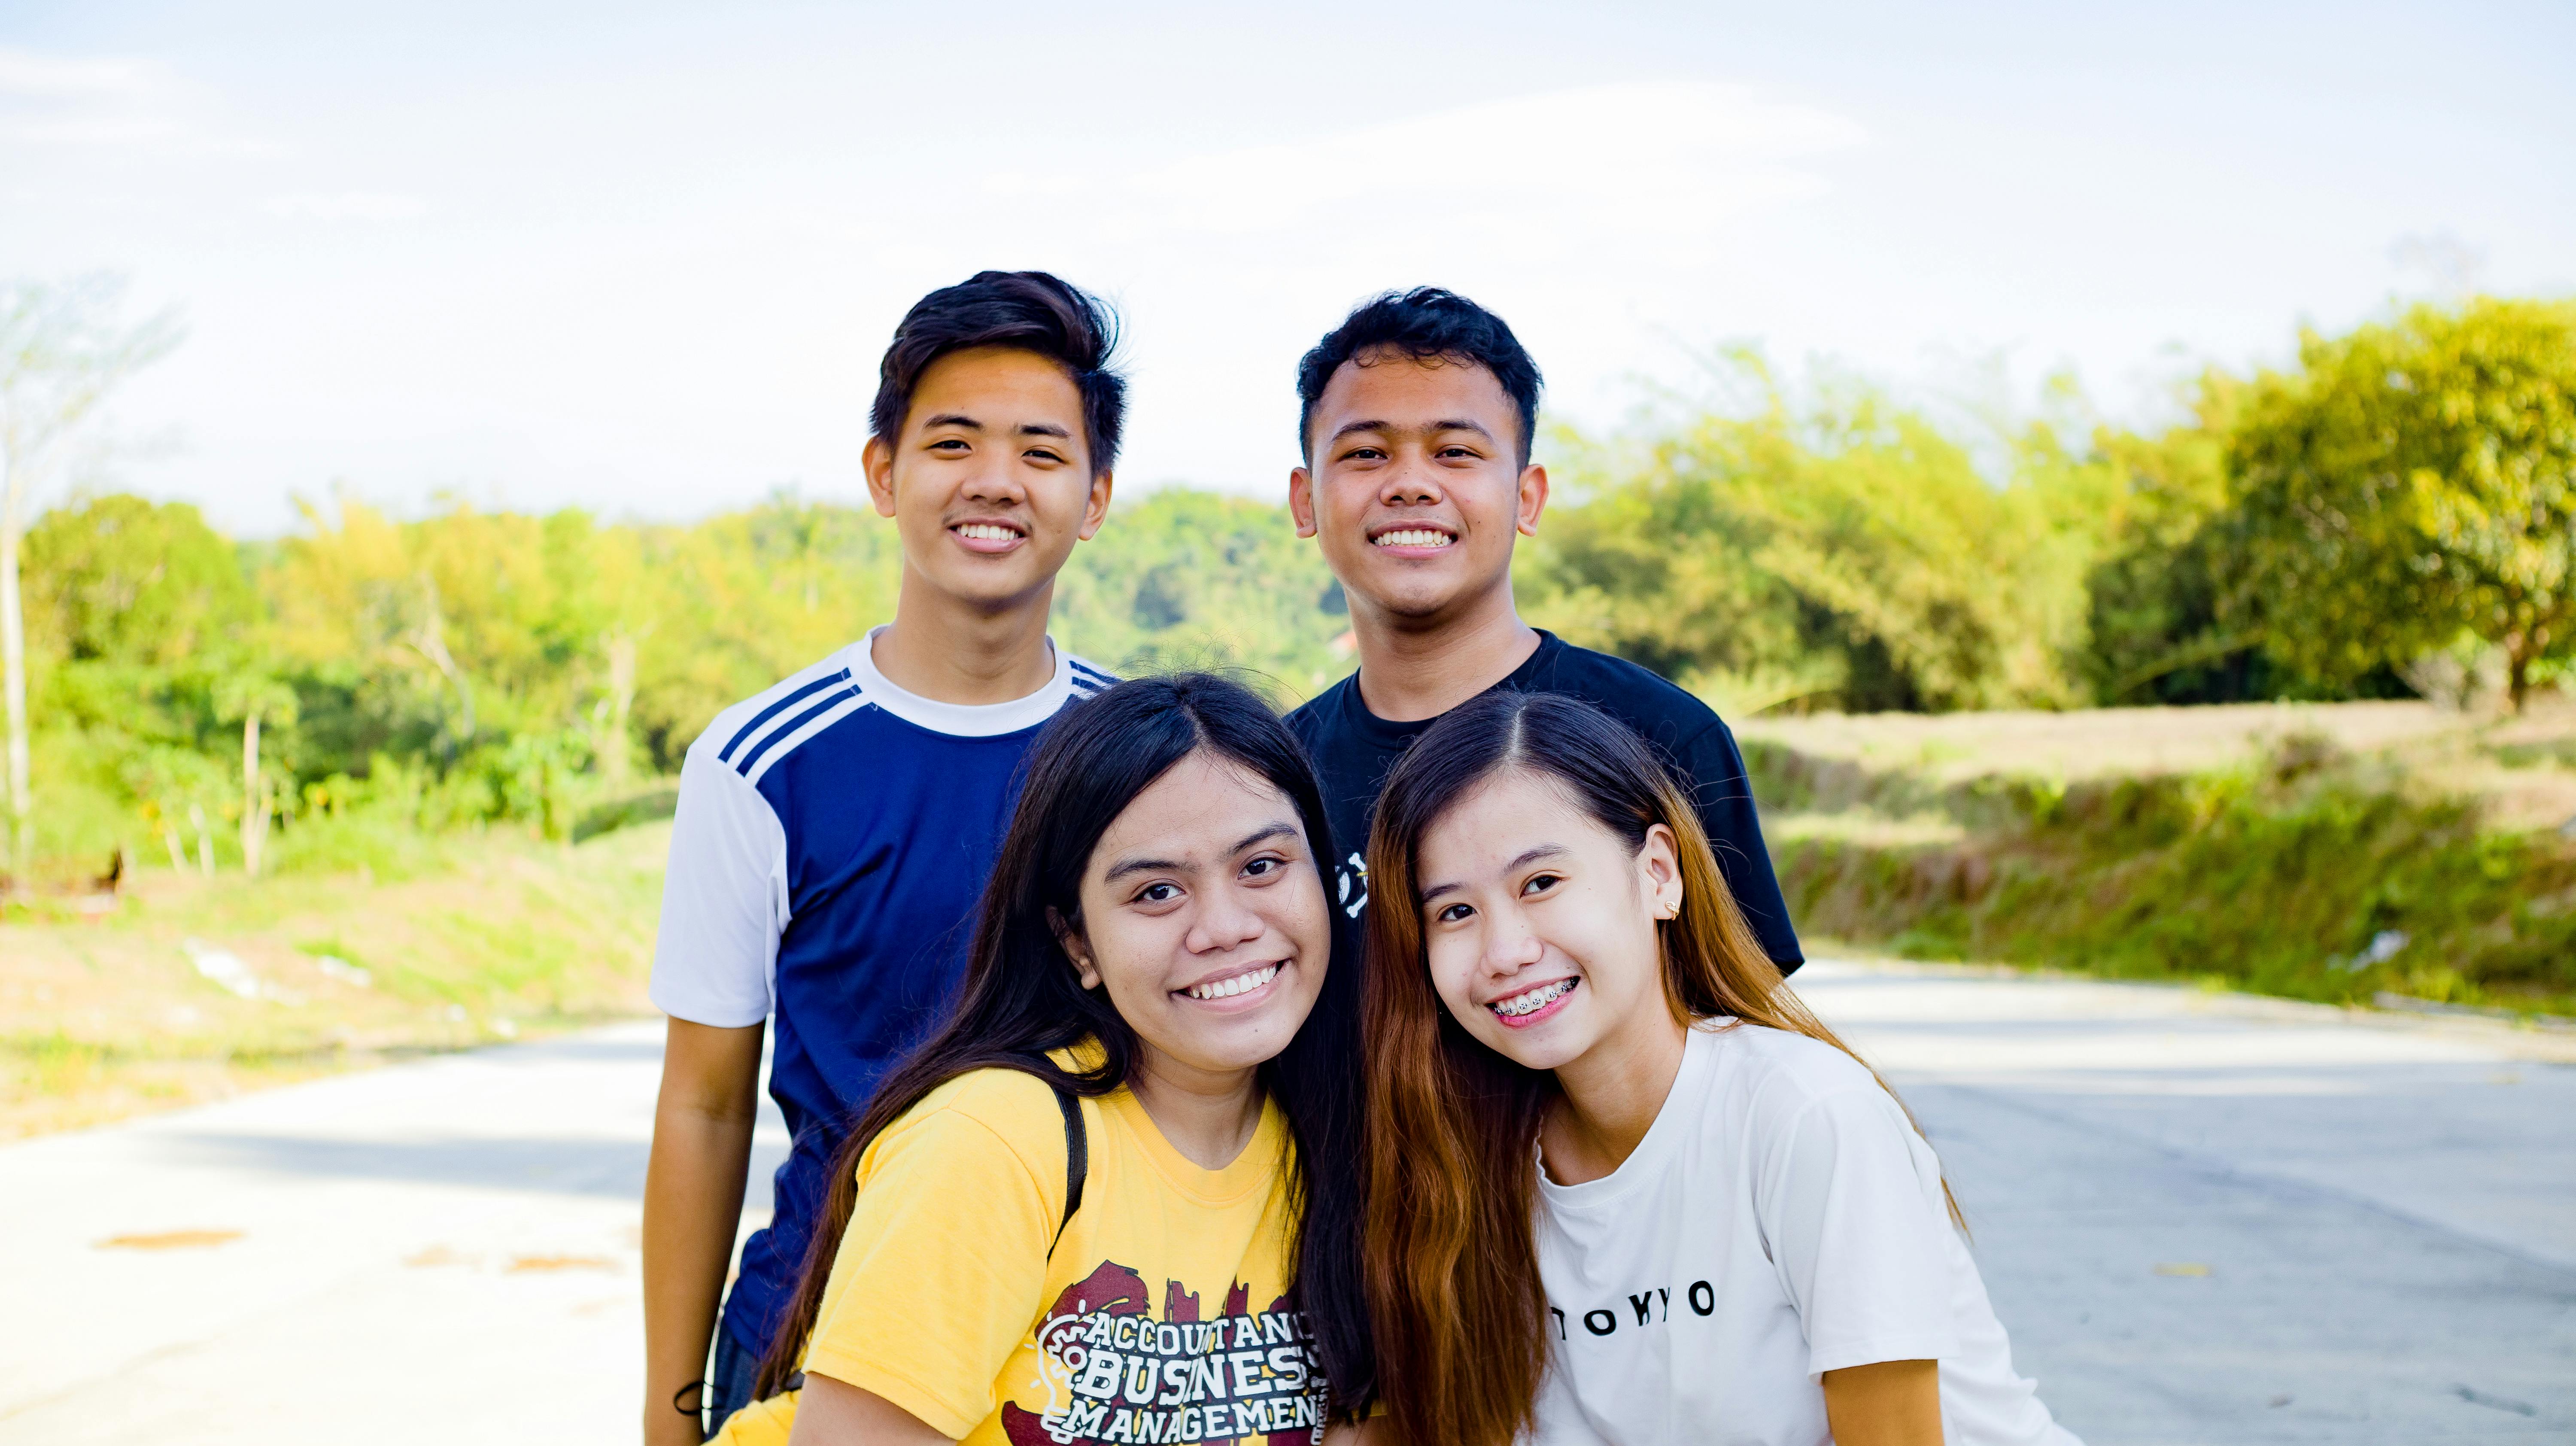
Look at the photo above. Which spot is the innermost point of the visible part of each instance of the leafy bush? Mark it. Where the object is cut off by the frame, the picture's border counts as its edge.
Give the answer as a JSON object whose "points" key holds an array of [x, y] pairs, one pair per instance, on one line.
{"points": [[2277, 876]]}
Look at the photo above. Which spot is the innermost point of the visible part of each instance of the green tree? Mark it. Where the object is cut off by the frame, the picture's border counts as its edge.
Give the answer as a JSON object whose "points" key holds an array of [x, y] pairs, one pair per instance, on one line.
{"points": [[2410, 484], [2153, 593], [250, 695], [1846, 551], [1183, 578], [63, 350]]}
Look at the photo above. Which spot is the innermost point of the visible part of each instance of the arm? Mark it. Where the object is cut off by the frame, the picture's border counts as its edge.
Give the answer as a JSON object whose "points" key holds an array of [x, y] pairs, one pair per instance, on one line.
{"points": [[834, 1413], [1734, 825], [692, 1207], [1891, 1403]]}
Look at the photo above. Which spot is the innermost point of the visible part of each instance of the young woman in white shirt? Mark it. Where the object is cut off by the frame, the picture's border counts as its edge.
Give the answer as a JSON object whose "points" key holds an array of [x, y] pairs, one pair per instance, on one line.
{"points": [[1624, 1186]]}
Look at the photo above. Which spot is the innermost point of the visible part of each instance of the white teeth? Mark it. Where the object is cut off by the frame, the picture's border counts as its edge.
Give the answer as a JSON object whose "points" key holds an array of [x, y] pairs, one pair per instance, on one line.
{"points": [[1239, 984], [986, 532], [1414, 537], [1537, 999]]}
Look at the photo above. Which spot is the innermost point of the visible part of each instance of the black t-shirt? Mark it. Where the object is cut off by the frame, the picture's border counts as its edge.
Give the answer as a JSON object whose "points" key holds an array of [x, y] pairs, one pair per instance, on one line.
{"points": [[1353, 749]]}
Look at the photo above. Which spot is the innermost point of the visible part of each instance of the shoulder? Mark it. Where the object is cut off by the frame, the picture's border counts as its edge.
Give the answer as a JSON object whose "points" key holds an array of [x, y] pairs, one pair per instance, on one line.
{"points": [[1088, 677], [1644, 699], [752, 735], [995, 1112], [1313, 718], [1781, 1075]]}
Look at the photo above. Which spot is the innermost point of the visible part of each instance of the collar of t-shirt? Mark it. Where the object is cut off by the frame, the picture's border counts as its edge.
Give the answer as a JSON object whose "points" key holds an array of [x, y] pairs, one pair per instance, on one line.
{"points": [[1392, 736], [963, 720], [1673, 1121]]}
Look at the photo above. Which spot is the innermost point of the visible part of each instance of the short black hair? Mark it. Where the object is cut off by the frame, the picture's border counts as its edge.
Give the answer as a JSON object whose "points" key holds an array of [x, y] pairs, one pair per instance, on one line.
{"points": [[1028, 311], [1423, 323]]}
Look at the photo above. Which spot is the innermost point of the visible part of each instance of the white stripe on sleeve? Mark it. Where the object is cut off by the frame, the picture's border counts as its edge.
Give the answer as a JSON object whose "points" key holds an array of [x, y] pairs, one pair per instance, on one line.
{"points": [[724, 898]]}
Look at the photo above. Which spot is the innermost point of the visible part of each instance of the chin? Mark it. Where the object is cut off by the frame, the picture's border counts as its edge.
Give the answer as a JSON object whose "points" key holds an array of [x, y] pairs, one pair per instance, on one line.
{"points": [[989, 587], [1421, 602], [1545, 1049]]}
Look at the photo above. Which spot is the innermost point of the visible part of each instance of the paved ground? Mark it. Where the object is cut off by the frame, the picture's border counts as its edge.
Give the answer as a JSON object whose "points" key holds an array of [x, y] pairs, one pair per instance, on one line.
{"points": [[2206, 1220], [2211, 1219]]}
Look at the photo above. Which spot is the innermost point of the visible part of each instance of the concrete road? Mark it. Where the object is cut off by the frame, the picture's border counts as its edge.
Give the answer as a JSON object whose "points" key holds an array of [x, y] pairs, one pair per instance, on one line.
{"points": [[437, 1252], [2205, 1219], [2215, 1219]]}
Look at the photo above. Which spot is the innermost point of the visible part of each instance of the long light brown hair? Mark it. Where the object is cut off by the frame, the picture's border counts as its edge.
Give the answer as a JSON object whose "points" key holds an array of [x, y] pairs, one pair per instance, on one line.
{"points": [[1449, 1251]]}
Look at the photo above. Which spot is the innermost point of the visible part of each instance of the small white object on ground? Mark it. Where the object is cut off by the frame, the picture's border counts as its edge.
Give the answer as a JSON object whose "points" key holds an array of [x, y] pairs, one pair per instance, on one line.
{"points": [[226, 969]]}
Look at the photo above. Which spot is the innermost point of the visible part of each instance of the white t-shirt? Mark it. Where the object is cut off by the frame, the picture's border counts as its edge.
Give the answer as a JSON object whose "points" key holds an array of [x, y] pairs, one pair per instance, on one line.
{"points": [[1780, 1220]]}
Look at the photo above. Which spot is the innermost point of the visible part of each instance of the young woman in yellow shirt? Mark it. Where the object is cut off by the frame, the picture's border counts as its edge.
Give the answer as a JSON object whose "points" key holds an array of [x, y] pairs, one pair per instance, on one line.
{"points": [[1073, 1214]]}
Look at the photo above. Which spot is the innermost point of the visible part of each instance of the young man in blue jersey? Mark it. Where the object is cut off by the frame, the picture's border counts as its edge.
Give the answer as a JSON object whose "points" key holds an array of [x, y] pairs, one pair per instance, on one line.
{"points": [[835, 831], [1415, 428]]}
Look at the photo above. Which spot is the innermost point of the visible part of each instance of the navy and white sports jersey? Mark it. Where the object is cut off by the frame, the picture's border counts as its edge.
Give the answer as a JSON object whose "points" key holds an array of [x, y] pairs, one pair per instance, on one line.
{"points": [[834, 835]]}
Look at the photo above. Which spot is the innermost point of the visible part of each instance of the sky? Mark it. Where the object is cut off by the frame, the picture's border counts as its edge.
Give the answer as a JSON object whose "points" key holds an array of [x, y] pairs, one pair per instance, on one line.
{"points": [[643, 258]]}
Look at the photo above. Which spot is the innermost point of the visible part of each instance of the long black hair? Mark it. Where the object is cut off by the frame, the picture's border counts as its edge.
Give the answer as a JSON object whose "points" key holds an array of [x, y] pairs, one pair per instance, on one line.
{"points": [[1022, 998]]}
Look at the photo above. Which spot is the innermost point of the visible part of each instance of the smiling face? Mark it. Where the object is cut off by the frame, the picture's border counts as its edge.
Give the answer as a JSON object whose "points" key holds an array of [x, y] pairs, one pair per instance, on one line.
{"points": [[1539, 924], [1416, 488], [991, 481], [1203, 917]]}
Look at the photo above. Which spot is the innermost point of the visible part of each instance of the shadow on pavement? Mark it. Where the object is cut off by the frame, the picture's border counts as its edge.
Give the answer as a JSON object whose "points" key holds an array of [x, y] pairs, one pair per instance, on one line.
{"points": [[597, 1167]]}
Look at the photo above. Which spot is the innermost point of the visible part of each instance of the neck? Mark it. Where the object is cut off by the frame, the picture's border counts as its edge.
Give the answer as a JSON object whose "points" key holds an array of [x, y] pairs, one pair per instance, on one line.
{"points": [[1609, 1099], [1207, 1115], [1421, 667], [954, 652]]}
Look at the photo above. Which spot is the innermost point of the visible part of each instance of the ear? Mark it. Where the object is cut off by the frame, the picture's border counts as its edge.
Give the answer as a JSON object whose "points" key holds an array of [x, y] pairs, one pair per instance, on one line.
{"points": [[1096, 510], [1659, 872], [1076, 948], [877, 460], [1533, 499], [1301, 500]]}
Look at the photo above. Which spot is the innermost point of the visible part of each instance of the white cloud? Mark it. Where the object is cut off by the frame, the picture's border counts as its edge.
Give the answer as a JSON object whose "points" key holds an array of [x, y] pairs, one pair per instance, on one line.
{"points": [[60, 102], [1650, 171], [374, 206], [1661, 158], [57, 77]]}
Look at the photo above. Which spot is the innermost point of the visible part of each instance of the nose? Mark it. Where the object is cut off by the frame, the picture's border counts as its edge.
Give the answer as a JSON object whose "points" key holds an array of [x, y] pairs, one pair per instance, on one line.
{"points": [[1510, 946], [995, 480], [1411, 482], [1224, 922]]}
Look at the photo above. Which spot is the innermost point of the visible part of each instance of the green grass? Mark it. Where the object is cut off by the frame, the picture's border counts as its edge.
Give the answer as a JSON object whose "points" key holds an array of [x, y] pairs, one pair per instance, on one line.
{"points": [[2275, 874], [465, 939]]}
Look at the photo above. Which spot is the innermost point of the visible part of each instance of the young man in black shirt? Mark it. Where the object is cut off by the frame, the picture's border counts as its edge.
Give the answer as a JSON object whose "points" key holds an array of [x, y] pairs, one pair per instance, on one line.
{"points": [[1416, 433]]}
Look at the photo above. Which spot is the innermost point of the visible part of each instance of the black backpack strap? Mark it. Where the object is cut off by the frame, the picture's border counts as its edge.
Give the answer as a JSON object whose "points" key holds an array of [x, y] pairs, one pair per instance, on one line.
{"points": [[1077, 1161]]}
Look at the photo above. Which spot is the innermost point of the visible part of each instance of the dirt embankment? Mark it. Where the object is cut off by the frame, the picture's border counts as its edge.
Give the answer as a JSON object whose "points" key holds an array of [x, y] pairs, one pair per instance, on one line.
{"points": [[2332, 852], [190, 988]]}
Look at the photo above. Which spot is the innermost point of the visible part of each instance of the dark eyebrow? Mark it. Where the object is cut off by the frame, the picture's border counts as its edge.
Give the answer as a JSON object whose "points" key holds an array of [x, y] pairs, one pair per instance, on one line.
{"points": [[1136, 866], [1044, 429], [1124, 867], [1282, 829], [1451, 424], [953, 419], [1527, 856]]}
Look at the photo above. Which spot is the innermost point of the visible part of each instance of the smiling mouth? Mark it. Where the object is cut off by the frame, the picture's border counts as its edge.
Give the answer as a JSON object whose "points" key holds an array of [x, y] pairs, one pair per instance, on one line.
{"points": [[1413, 537], [1233, 985], [1531, 1001], [987, 532]]}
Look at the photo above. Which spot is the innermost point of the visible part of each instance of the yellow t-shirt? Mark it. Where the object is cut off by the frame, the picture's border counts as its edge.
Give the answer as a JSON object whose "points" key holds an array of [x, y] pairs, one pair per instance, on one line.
{"points": [[1160, 1317]]}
